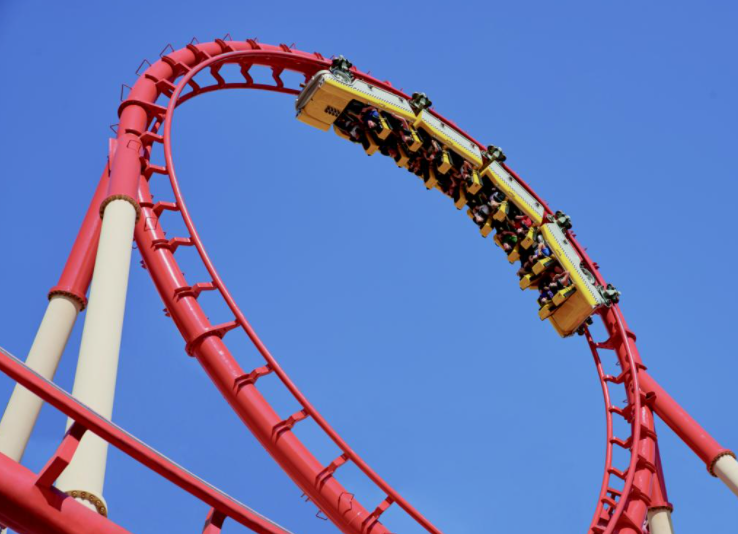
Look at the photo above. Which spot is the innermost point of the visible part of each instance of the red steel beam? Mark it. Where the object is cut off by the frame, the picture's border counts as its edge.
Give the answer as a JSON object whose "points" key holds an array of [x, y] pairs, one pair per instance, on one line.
{"points": [[129, 445], [77, 273], [29, 508], [683, 425]]}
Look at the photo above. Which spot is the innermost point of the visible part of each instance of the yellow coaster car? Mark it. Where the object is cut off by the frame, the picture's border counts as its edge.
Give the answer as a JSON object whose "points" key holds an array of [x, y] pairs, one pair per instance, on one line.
{"points": [[578, 301], [326, 96]]}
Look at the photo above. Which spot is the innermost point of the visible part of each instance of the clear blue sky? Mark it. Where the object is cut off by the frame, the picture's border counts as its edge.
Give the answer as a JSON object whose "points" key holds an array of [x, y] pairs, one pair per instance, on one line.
{"points": [[390, 312]]}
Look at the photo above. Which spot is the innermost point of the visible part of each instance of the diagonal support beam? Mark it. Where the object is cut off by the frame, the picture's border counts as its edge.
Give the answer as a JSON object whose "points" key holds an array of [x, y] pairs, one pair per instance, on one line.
{"points": [[214, 522], [62, 456]]}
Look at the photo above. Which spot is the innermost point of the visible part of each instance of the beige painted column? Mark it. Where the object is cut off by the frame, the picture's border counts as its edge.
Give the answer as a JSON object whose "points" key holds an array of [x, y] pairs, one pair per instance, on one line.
{"points": [[23, 408], [726, 468], [659, 520], [97, 368]]}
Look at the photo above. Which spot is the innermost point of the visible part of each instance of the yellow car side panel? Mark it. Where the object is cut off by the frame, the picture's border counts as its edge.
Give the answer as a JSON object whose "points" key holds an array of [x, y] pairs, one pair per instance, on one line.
{"points": [[348, 94], [447, 140], [315, 123], [511, 195], [576, 278], [567, 317]]}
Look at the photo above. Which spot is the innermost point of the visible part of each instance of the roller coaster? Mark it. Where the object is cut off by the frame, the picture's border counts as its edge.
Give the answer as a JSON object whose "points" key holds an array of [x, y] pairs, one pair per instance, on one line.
{"points": [[66, 495]]}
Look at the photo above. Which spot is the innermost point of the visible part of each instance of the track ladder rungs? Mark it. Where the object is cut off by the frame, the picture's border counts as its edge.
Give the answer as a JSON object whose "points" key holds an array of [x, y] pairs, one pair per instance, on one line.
{"points": [[252, 377], [149, 137], [627, 444], [217, 330], [373, 518], [626, 412], [215, 73], [173, 244], [160, 207], [245, 67], [162, 84], [283, 426], [329, 471], [194, 290], [617, 472], [151, 169]]}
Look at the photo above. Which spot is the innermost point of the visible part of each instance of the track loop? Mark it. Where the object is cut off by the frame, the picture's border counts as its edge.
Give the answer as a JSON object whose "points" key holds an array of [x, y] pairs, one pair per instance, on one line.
{"points": [[618, 509]]}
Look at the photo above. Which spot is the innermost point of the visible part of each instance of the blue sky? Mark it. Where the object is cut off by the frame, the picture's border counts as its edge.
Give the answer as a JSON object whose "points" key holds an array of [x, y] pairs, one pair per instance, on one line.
{"points": [[403, 326]]}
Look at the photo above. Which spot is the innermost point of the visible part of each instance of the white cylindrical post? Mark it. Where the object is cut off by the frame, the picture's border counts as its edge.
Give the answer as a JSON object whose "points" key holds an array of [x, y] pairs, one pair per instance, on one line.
{"points": [[97, 368], [23, 408], [726, 468], [659, 520]]}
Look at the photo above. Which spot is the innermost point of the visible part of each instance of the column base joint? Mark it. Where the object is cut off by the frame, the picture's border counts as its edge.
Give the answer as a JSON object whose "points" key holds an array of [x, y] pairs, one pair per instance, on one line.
{"points": [[93, 499]]}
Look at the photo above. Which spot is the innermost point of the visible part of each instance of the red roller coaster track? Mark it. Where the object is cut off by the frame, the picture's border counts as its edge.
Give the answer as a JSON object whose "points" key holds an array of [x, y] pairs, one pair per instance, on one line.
{"points": [[29, 502]]}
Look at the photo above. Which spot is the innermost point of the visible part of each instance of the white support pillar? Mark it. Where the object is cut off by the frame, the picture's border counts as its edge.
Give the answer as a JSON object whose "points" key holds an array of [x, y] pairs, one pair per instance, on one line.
{"points": [[726, 468], [659, 520], [97, 368], [23, 408]]}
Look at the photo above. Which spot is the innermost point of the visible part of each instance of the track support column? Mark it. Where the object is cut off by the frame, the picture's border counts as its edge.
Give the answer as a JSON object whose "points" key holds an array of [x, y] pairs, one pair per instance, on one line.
{"points": [[659, 520], [66, 300], [726, 469], [97, 368], [23, 408]]}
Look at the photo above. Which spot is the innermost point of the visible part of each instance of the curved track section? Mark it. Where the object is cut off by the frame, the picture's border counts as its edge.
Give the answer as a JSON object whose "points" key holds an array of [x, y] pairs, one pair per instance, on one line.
{"points": [[146, 125]]}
